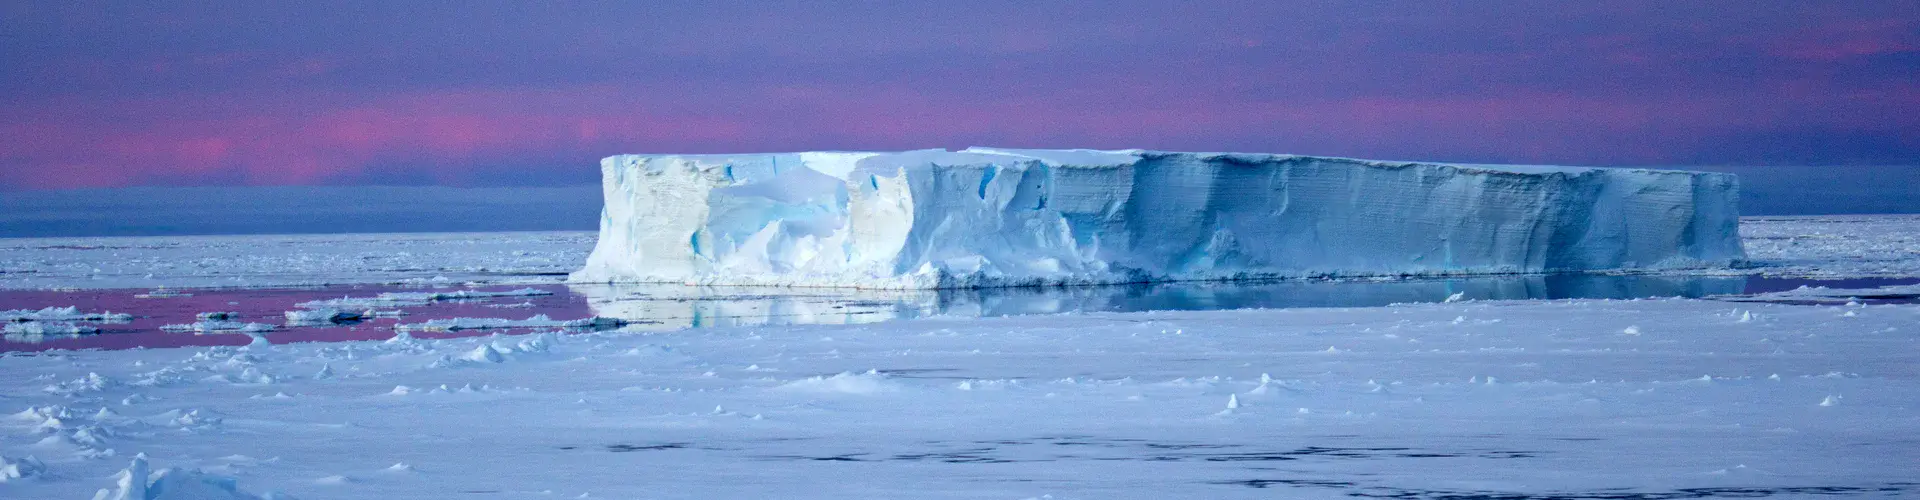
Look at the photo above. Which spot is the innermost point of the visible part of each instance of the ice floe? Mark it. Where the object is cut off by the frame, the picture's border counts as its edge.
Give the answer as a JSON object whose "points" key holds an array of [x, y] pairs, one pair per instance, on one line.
{"points": [[536, 321]]}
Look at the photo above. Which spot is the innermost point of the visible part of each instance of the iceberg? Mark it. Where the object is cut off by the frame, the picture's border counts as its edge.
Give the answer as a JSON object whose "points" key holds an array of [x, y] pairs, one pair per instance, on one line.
{"points": [[989, 217]]}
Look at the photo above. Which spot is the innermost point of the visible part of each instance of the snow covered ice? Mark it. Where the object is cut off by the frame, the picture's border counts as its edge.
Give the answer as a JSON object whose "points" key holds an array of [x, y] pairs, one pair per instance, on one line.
{"points": [[68, 313], [994, 217], [1512, 386], [1469, 399], [537, 321], [215, 326], [185, 262]]}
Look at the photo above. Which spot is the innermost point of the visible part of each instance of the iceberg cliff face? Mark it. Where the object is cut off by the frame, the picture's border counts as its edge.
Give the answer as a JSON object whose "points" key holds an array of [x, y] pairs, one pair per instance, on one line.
{"points": [[998, 217]]}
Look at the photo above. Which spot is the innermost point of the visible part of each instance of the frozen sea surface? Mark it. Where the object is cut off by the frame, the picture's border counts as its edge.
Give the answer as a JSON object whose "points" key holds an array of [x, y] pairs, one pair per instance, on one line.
{"points": [[1611, 399], [1507, 387], [1834, 245], [290, 260]]}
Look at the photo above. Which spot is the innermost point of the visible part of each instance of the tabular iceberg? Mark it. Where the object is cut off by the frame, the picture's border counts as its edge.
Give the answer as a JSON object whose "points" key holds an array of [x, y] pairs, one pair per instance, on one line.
{"points": [[985, 217]]}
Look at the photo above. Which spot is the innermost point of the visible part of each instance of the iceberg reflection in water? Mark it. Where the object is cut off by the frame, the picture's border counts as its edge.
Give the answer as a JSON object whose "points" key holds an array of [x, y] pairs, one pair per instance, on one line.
{"points": [[670, 306]]}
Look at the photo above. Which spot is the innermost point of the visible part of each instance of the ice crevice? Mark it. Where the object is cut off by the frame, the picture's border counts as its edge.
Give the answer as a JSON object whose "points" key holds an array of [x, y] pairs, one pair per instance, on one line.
{"points": [[986, 217]]}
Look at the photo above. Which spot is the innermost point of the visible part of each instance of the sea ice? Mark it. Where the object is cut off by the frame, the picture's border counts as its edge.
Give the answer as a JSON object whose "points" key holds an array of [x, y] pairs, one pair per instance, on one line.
{"points": [[1524, 399], [257, 260], [69, 313], [1834, 295], [49, 328], [162, 293], [214, 326], [15, 469], [870, 382], [135, 483], [537, 321], [993, 217], [347, 309], [323, 315], [407, 299], [1833, 246]]}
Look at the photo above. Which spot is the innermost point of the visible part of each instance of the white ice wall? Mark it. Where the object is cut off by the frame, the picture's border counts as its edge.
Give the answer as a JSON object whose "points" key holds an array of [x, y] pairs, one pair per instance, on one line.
{"points": [[995, 217]]}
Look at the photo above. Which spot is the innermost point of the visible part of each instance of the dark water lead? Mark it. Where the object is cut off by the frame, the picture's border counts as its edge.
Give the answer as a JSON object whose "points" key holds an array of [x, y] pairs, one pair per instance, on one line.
{"points": [[672, 307]]}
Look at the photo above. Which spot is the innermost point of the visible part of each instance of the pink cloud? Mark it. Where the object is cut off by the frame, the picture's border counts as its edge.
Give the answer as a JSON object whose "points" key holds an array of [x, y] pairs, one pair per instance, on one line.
{"points": [[318, 137], [272, 148]]}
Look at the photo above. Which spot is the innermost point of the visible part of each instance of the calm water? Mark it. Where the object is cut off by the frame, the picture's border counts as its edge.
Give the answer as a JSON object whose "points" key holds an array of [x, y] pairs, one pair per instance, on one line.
{"points": [[672, 307]]}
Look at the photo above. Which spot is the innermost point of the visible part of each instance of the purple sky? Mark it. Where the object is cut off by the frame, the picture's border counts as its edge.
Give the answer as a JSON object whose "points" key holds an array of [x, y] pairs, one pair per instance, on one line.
{"points": [[516, 93]]}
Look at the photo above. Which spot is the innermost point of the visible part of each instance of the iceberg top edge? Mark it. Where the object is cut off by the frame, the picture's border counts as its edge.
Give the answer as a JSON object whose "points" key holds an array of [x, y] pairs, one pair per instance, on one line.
{"points": [[840, 163]]}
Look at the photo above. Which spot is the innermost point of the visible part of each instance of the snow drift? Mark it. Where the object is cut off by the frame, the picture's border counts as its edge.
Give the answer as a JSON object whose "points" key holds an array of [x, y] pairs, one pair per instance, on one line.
{"points": [[995, 217]]}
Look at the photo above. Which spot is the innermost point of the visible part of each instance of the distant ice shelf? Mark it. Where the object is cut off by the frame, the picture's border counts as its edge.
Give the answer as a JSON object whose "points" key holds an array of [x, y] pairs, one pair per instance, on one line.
{"points": [[984, 217]]}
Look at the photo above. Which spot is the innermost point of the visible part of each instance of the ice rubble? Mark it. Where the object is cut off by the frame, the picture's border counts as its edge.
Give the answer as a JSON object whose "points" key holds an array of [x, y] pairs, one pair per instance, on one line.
{"points": [[1823, 294], [322, 316], [536, 321], [997, 217], [69, 313], [217, 326], [349, 309], [136, 483], [49, 328], [408, 299], [14, 469]]}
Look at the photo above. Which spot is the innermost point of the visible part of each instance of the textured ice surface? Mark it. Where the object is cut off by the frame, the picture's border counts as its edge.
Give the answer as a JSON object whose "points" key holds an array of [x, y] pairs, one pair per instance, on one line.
{"points": [[1836, 295], [14, 469], [218, 326], [536, 321], [993, 217], [323, 315], [401, 299], [1834, 246], [288, 260], [49, 328], [1528, 400], [68, 313], [1471, 399], [136, 483]]}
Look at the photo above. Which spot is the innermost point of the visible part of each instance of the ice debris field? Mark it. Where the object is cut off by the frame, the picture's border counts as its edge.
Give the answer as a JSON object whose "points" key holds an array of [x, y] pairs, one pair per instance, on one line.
{"points": [[1429, 343]]}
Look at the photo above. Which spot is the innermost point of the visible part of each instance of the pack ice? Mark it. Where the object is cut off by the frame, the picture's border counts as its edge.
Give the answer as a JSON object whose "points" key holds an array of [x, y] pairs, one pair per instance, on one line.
{"points": [[984, 217]]}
